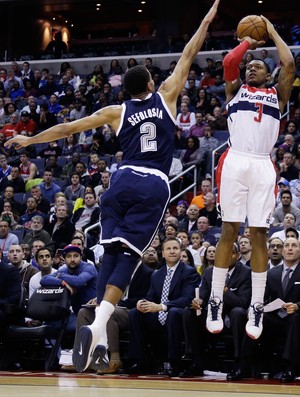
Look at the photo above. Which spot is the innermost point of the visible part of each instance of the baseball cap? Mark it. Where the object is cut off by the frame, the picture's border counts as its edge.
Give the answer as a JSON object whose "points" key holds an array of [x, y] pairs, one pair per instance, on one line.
{"points": [[183, 202], [24, 113], [283, 181], [71, 248]]}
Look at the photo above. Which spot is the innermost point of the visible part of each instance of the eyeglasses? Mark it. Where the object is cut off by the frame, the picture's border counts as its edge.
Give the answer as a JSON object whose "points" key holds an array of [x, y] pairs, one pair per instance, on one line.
{"points": [[275, 246]]}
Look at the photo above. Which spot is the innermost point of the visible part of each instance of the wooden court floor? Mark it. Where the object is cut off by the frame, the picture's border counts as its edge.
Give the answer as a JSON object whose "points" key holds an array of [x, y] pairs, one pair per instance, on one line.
{"points": [[57, 384]]}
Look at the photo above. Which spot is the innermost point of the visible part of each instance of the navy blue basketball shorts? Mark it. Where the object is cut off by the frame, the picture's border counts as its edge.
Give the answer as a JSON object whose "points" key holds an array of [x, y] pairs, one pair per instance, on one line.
{"points": [[133, 207]]}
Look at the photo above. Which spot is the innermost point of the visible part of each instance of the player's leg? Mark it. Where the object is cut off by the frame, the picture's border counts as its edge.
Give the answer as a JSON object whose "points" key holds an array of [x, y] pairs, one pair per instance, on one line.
{"points": [[214, 321], [258, 261], [232, 196]]}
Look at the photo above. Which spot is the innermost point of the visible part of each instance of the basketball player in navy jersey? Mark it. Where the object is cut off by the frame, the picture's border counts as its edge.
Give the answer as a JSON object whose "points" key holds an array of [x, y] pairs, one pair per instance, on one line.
{"points": [[246, 176], [134, 205]]}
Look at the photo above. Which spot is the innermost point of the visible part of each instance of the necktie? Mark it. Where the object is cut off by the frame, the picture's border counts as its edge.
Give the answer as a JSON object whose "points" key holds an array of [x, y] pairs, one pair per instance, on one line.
{"points": [[286, 279], [227, 279], [162, 316]]}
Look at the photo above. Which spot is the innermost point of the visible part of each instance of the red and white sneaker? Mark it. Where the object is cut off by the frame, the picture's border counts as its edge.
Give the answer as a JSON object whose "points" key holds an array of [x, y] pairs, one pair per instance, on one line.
{"points": [[214, 321]]}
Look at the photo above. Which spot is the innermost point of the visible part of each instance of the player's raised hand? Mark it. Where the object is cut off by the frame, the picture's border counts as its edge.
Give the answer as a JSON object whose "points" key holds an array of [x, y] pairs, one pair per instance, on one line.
{"points": [[212, 12], [18, 141]]}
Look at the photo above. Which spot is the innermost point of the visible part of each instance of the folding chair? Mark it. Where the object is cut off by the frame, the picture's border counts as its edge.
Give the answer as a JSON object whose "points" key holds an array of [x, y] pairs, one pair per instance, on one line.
{"points": [[39, 345]]}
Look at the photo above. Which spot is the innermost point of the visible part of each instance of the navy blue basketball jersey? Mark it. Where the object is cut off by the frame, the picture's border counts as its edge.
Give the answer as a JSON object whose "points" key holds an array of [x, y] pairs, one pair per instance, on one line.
{"points": [[146, 133]]}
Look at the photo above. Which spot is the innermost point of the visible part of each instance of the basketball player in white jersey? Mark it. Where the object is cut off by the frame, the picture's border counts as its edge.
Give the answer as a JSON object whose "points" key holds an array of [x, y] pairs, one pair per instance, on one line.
{"points": [[246, 176]]}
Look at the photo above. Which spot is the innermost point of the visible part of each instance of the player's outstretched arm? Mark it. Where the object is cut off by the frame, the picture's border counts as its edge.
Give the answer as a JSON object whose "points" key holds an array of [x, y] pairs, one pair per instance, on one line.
{"points": [[108, 115], [287, 72], [174, 84]]}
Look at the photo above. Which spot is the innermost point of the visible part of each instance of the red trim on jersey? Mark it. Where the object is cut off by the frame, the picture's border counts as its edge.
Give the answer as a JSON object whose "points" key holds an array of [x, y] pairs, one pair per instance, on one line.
{"points": [[270, 90], [219, 173]]}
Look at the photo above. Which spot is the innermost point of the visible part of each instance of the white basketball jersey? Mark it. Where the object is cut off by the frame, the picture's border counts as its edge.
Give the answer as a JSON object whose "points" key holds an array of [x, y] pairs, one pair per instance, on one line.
{"points": [[254, 119]]}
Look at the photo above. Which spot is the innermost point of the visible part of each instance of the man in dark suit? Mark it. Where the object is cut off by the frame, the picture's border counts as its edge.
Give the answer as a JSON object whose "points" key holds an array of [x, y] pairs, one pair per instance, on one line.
{"points": [[285, 322], [161, 311], [237, 295], [281, 325], [10, 295]]}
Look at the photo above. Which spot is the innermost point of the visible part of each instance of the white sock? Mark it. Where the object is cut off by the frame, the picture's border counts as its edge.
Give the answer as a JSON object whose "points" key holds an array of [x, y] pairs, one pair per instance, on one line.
{"points": [[258, 287], [102, 315], [218, 282]]}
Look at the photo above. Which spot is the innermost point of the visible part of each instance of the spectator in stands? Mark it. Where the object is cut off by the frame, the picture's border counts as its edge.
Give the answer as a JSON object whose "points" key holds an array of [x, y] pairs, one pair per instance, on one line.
{"points": [[105, 179], [145, 320], [116, 161], [97, 71], [6, 238], [5, 169], [75, 189], [9, 109], [245, 250], [204, 226], [202, 103], [87, 215], [52, 149], [10, 214], [197, 129], [31, 211], [26, 72], [79, 275], [26, 270], [61, 229], [205, 187], [216, 120], [207, 258], [78, 112], [57, 47], [190, 224], [183, 235], [208, 143], [43, 204], [210, 210], [46, 119], [185, 119], [287, 168], [9, 128], [218, 89], [9, 195], [68, 98], [286, 207], [28, 169], [56, 169], [10, 287], [37, 232], [70, 166], [13, 180], [96, 176], [71, 146], [112, 144], [268, 60], [181, 209], [54, 106], [46, 90], [275, 247], [43, 258], [192, 155], [289, 221], [48, 187], [26, 124]]}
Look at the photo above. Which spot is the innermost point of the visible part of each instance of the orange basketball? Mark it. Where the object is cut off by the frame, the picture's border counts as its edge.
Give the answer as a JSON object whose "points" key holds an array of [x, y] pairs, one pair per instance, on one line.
{"points": [[253, 26]]}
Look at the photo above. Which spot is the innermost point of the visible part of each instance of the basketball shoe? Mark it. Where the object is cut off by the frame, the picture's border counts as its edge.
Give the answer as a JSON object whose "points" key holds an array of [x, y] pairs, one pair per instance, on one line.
{"points": [[214, 321], [254, 324]]}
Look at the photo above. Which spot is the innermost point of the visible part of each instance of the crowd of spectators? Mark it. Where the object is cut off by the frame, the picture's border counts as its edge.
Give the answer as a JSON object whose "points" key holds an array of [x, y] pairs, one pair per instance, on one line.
{"points": [[50, 192]]}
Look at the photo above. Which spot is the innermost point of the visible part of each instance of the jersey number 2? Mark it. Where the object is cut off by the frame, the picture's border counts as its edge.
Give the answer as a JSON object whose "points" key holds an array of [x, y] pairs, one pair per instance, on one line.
{"points": [[259, 111], [148, 137]]}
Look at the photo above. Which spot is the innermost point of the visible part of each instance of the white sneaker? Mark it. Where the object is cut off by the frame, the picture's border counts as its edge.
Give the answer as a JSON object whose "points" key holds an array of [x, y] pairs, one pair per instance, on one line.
{"points": [[254, 325], [214, 321], [83, 354]]}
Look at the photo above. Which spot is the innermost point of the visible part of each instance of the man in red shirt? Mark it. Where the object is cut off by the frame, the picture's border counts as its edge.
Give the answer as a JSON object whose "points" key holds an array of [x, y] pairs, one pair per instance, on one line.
{"points": [[26, 124]]}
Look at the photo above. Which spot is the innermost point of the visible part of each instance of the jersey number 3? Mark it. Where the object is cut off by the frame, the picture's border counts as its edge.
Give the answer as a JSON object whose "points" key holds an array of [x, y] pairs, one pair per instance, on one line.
{"points": [[148, 137], [259, 111]]}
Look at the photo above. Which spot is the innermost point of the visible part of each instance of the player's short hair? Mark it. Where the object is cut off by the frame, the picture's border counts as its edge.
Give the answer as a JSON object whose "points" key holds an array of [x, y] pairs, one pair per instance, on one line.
{"points": [[136, 80]]}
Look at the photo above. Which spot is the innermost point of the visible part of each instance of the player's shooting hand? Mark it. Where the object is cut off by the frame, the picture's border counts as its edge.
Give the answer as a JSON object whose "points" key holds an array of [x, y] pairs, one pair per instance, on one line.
{"points": [[270, 26], [253, 43], [19, 140]]}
